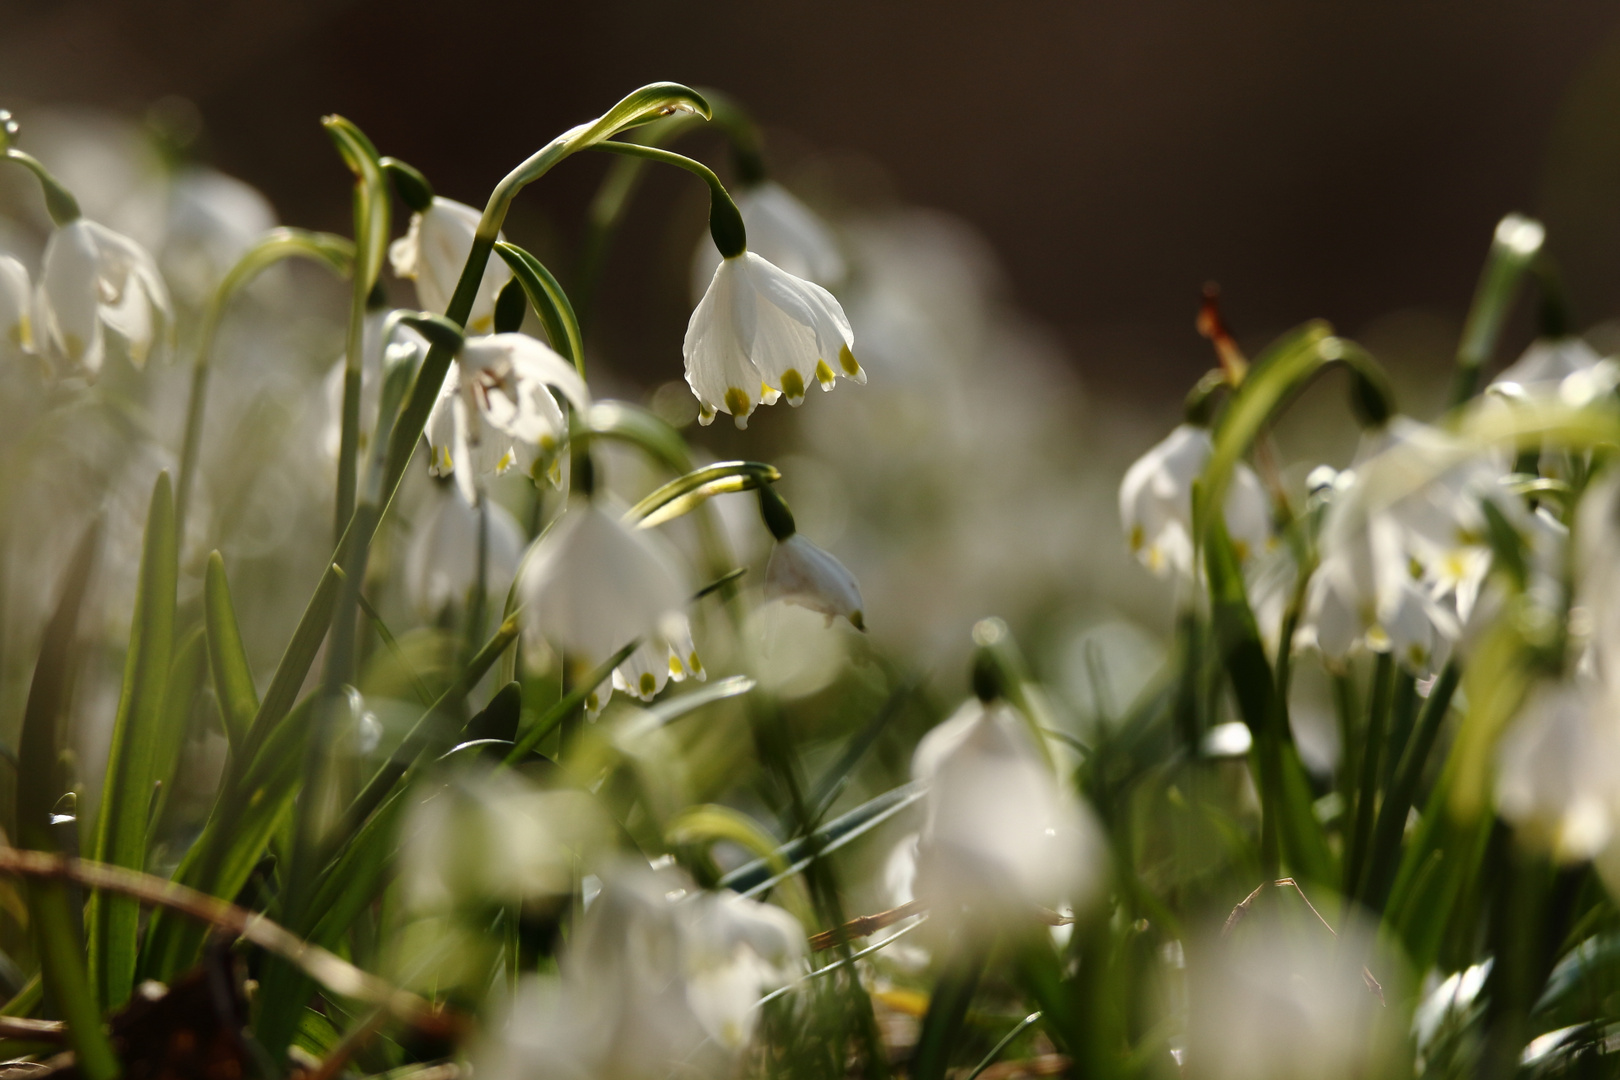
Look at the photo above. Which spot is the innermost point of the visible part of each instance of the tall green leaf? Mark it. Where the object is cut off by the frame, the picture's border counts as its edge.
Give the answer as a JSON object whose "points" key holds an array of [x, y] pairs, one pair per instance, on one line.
{"points": [[227, 659], [132, 763], [53, 921]]}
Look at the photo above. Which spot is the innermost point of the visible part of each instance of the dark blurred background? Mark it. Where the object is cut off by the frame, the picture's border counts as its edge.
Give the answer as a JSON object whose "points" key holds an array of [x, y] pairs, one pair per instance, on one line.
{"points": [[1342, 160]]}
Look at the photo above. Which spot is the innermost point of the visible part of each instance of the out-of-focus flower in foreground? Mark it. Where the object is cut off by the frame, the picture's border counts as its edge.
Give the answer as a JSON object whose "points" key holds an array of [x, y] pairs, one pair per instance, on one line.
{"points": [[16, 308], [492, 839], [432, 253], [94, 280], [592, 585], [497, 404], [760, 333], [1001, 835], [441, 564], [1558, 769], [1155, 503], [659, 980]]}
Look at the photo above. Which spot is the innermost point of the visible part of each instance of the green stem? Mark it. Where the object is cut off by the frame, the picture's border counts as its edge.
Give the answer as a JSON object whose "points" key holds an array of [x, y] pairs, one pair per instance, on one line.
{"points": [[59, 201], [276, 245], [1372, 746], [725, 220]]}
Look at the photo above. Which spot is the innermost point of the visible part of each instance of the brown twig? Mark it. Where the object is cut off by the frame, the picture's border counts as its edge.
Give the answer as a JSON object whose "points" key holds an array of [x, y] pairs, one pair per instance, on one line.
{"points": [[1212, 326], [326, 968], [864, 925], [20, 1027], [1242, 909]]}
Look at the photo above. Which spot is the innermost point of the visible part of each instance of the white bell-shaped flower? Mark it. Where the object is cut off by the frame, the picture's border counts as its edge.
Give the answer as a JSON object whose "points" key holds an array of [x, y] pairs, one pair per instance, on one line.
{"points": [[16, 308], [213, 219], [441, 563], [433, 252], [736, 949], [670, 655], [592, 585], [1001, 835], [782, 230], [496, 407], [760, 333], [801, 573], [1155, 503], [1558, 769], [94, 280]]}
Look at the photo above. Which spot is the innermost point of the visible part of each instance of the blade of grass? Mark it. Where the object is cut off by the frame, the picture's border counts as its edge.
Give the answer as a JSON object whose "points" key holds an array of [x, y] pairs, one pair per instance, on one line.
{"points": [[126, 796], [227, 659], [54, 923]]}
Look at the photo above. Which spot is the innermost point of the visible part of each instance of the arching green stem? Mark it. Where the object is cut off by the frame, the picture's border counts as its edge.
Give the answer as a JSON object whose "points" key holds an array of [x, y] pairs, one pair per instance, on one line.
{"points": [[276, 245], [725, 220]]}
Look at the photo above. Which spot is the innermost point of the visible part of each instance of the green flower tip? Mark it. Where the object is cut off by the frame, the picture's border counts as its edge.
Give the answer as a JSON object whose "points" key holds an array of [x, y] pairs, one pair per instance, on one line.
{"points": [[413, 188]]}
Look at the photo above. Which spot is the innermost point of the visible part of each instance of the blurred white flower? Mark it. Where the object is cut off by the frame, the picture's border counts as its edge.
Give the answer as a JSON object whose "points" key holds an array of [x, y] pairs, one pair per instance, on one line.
{"points": [[93, 280], [497, 404], [433, 252], [760, 333], [441, 564], [1155, 503], [592, 585], [493, 838], [1547, 363], [1266, 1004], [16, 308], [1001, 834], [799, 572], [1558, 768], [658, 981], [783, 231], [213, 220]]}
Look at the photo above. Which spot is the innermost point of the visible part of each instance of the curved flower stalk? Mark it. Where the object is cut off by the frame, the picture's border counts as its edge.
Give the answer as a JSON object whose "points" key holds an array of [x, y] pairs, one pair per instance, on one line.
{"points": [[758, 334], [783, 230], [441, 564], [1155, 504], [496, 408], [433, 252], [1001, 835], [94, 280], [659, 980], [591, 586]]}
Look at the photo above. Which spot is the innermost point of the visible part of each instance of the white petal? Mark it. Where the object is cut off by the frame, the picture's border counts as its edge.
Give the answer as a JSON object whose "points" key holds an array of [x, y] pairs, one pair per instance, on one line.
{"points": [[16, 306], [801, 573], [69, 298], [718, 339]]}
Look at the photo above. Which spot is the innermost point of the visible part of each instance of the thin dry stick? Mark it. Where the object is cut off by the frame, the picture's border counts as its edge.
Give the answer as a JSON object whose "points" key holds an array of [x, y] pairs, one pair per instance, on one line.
{"points": [[20, 1027], [866, 925], [1242, 909], [326, 968]]}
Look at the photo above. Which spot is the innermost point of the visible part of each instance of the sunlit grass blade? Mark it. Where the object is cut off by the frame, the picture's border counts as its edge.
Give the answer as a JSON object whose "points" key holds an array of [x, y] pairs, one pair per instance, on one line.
{"points": [[227, 659], [756, 876], [1514, 246], [126, 796], [186, 678], [549, 301], [54, 923], [685, 493]]}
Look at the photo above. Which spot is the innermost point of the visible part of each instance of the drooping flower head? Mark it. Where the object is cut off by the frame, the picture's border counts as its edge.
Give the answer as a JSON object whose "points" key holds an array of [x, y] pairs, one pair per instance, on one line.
{"points": [[593, 585], [497, 409], [1155, 503], [760, 333], [433, 252], [94, 280]]}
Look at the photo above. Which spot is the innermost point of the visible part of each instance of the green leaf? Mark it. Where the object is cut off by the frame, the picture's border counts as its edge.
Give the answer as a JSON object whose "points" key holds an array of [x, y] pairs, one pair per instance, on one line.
{"points": [[685, 493], [227, 659], [126, 794], [295, 662], [371, 198], [549, 301], [756, 876], [54, 924], [1514, 246], [943, 1024], [186, 677], [247, 813], [709, 823]]}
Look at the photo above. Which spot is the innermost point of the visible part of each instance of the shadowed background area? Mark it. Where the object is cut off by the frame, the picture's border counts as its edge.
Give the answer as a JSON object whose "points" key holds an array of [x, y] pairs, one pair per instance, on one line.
{"points": [[1342, 161]]}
